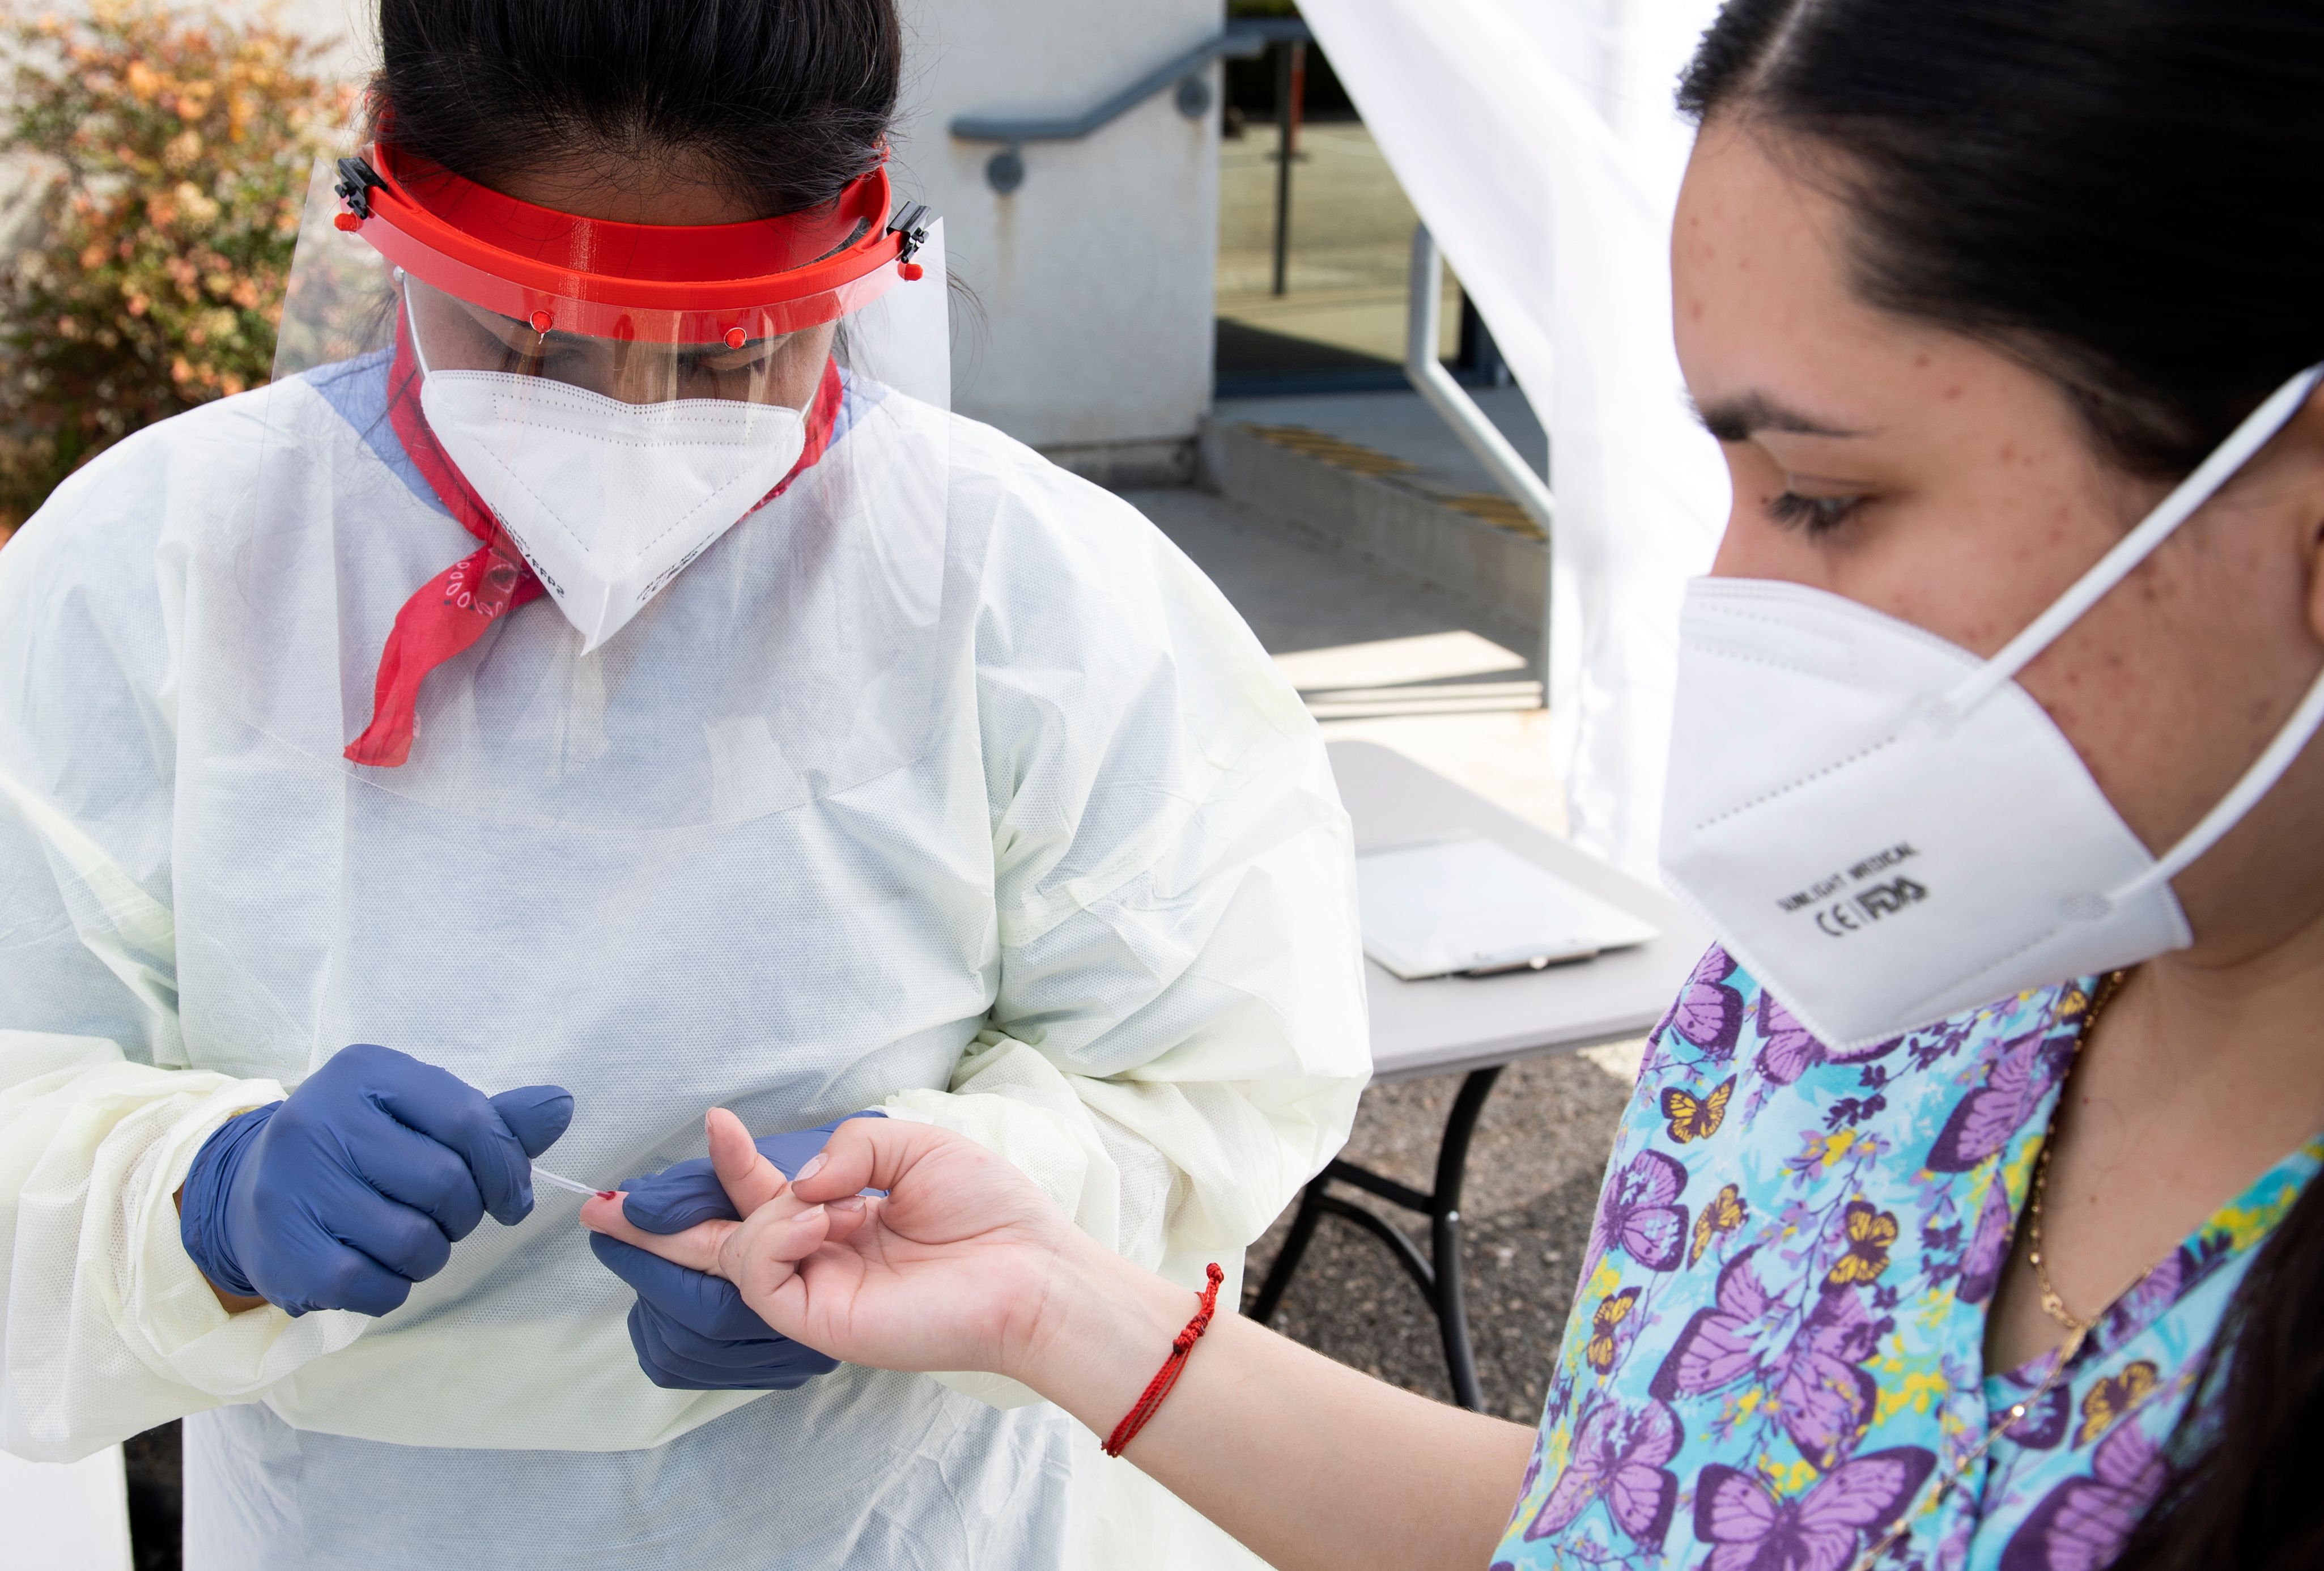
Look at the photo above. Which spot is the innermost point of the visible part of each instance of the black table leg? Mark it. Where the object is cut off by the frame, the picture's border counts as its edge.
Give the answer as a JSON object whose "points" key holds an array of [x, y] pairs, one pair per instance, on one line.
{"points": [[1288, 1258], [1444, 1234], [1438, 1275]]}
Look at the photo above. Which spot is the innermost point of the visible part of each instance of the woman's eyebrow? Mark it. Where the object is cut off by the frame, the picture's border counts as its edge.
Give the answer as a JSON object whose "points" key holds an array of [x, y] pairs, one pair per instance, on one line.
{"points": [[1738, 419]]}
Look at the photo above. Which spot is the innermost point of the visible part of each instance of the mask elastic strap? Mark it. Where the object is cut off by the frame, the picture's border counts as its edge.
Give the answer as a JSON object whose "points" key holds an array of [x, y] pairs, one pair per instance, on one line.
{"points": [[418, 351], [2258, 429], [2256, 783]]}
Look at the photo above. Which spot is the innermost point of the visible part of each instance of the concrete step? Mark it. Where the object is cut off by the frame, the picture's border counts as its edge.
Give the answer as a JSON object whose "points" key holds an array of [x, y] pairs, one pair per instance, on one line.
{"points": [[1424, 519], [1378, 656]]}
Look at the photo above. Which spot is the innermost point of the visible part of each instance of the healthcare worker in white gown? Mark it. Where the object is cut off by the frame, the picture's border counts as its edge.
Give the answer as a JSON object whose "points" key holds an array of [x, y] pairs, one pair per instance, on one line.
{"points": [[605, 682]]}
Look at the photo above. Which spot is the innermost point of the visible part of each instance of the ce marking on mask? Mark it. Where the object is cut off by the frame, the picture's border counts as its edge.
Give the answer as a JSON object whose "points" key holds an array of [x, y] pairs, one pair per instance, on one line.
{"points": [[1849, 901]]}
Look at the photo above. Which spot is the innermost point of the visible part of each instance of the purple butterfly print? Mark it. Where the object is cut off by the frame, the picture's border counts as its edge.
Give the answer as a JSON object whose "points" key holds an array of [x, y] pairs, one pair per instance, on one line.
{"points": [[1816, 1531], [2046, 1419], [1716, 1349], [1708, 1012], [1823, 1399], [2080, 1524], [2155, 1293], [1983, 1121], [1532, 1472], [1559, 1402], [1787, 1051], [1618, 1454], [1989, 1246], [1637, 1212]]}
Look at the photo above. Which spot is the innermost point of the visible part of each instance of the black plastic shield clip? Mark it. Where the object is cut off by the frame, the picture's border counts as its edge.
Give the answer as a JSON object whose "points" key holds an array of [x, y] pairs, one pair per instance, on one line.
{"points": [[357, 179], [912, 221]]}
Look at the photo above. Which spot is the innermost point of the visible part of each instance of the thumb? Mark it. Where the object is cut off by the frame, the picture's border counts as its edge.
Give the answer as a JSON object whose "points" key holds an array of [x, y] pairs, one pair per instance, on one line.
{"points": [[536, 1115], [749, 1178], [867, 1153]]}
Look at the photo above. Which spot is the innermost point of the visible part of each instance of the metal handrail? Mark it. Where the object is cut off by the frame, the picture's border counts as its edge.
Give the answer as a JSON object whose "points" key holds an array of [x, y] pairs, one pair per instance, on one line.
{"points": [[1005, 170], [1480, 436]]}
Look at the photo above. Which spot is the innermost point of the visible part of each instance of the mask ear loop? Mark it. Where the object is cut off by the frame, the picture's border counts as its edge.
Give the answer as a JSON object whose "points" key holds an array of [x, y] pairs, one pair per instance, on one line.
{"points": [[2256, 783], [2259, 428]]}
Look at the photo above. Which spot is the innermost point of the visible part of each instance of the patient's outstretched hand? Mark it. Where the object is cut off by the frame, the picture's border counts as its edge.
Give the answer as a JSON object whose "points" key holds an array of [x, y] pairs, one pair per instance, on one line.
{"points": [[948, 1271]]}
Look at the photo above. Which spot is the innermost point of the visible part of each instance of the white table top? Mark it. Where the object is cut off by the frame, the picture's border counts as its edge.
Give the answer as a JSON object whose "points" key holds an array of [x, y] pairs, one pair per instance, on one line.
{"points": [[1453, 1023]]}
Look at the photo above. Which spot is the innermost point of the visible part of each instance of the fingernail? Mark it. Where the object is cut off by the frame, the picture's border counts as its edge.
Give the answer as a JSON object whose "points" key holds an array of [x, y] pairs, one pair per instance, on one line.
{"points": [[849, 1204], [809, 1169]]}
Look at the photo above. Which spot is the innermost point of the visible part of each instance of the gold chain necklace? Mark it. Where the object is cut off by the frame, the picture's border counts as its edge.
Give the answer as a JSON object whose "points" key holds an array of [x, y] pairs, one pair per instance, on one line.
{"points": [[2052, 1304], [2077, 1330]]}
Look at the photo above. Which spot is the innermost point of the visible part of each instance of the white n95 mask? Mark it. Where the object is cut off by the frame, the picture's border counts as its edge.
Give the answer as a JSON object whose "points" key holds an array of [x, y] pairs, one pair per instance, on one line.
{"points": [[608, 501], [1886, 829]]}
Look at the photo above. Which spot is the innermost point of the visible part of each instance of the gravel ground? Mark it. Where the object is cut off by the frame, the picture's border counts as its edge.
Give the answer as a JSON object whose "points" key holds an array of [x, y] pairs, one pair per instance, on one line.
{"points": [[1533, 1173]]}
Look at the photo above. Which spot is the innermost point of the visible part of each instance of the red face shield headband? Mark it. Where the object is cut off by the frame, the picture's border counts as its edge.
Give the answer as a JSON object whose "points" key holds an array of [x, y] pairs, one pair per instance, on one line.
{"points": [[705, 283]]}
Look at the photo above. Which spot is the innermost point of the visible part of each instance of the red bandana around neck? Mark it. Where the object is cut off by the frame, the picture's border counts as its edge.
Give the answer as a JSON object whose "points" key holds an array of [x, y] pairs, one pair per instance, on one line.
{"points": [[453, 610]]}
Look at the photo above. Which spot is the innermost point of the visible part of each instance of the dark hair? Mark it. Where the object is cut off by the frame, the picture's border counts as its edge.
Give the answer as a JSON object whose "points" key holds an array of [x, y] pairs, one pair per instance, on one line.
{"points": [[2120, 192], [779, 101]]}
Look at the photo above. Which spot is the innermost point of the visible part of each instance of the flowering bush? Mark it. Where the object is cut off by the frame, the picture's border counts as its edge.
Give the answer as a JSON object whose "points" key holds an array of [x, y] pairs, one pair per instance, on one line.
{"points": [[179, 151]]}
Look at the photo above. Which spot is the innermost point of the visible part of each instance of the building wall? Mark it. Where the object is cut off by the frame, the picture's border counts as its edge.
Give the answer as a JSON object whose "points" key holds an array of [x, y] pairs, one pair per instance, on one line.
{"points": [[1095, 276]]}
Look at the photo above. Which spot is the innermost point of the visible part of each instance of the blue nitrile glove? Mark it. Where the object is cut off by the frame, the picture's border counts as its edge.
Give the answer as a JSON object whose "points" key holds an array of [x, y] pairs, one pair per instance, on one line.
{"points": [[357, 1187], [692, 1330]]}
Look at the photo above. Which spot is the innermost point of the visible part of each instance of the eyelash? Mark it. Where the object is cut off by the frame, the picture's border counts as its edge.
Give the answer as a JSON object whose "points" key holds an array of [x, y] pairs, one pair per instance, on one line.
{"points": [[1814, 515]]}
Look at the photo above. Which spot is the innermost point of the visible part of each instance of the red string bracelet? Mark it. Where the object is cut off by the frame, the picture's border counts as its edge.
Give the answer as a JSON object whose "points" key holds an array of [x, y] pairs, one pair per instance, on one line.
{"points": [[1167, 1375]]}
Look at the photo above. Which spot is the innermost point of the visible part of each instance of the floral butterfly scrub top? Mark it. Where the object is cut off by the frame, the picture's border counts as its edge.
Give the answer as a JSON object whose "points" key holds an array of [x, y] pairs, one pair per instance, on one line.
{"points": [[1779, 1337]]}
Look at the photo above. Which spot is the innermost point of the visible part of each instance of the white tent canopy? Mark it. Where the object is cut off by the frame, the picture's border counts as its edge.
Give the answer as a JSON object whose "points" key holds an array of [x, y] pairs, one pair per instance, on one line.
{"points": [[1538, 141]]}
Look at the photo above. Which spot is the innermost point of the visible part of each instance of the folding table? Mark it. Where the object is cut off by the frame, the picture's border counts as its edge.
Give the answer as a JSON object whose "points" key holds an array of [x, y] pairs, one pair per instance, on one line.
{"points": [[1475, 1025]]}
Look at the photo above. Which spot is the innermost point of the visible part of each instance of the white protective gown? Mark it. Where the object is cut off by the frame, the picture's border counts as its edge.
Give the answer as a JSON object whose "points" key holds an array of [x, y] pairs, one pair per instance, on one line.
{"points": [[989, 813]]}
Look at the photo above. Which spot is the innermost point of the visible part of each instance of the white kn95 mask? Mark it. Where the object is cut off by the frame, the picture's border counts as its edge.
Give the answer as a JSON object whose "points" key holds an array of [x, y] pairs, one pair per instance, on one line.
{"points": [[1886, 829], [608, 501]]}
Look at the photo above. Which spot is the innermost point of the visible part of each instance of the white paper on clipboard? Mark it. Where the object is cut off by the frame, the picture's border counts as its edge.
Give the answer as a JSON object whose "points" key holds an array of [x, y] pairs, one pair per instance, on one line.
{"points": [[1468, 905]]}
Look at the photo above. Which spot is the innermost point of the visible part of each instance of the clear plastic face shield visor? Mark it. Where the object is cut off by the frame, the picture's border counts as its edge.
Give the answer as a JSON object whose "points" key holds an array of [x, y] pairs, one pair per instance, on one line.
{"points": [[640, 312], [617, 395], [722, 450]]}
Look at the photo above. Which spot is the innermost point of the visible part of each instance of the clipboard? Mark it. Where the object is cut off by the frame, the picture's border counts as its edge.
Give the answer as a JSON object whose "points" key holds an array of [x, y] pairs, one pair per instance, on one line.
{"points": [[1467, 906]]}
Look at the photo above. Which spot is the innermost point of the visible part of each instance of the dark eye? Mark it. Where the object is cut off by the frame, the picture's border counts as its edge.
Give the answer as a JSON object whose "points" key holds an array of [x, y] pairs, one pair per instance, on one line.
{"points": [[1816, 516], [748, 361], [536, 354]]}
